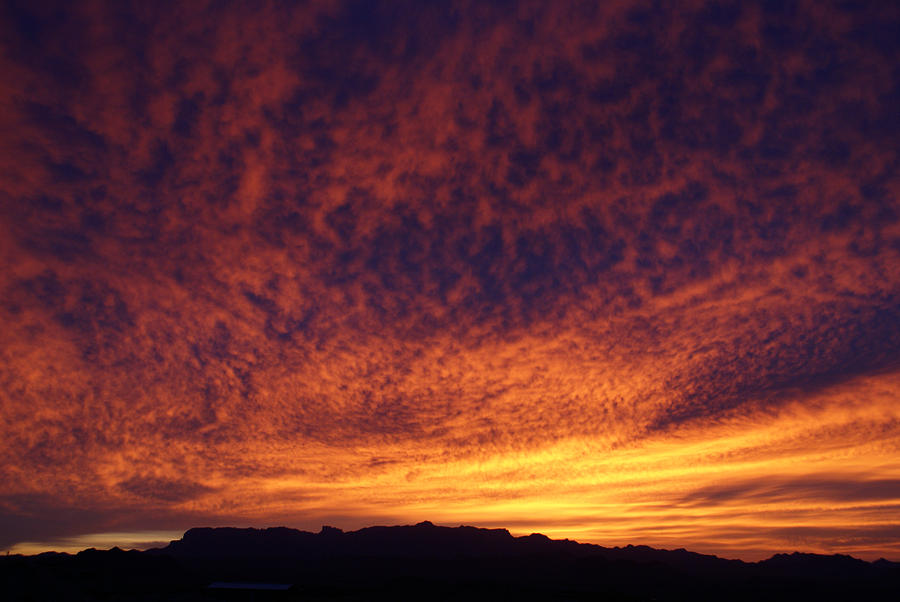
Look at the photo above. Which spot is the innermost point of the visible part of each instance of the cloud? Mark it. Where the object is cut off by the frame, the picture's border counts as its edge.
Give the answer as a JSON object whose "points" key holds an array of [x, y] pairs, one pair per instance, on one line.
{"points": [[435, 234], [163, 489], [824, 489]]}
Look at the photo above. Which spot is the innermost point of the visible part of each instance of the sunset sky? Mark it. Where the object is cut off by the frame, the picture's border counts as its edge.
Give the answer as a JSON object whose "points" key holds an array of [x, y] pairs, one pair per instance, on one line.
{"points": [[622, 272]]}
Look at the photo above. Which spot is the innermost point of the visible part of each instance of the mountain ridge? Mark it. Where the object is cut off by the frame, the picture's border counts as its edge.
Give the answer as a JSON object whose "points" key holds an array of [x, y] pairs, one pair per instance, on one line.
{"points": [[426, 561], [501, 536]]}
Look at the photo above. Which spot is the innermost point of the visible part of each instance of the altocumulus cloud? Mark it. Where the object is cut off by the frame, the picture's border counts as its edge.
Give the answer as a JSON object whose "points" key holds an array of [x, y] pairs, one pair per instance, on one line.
{"points": [[274, 262]]}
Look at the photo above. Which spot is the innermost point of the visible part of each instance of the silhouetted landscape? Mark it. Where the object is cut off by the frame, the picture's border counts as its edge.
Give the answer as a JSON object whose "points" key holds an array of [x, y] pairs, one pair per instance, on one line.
{"points": [[620, 271], [425, 561]]}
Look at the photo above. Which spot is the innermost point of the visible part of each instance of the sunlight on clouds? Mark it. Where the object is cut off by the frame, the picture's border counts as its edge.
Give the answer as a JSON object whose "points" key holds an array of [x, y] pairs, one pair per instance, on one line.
{"points": [[599, 285], [680, 487]]}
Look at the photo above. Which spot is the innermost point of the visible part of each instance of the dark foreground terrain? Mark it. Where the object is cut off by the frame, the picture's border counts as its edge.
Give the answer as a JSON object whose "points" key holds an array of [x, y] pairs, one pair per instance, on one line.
{"points": [[425, 562]]}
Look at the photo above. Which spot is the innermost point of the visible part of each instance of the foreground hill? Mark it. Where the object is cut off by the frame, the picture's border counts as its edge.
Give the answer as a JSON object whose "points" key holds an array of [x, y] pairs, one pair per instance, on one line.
{"points": [[429, 562]]}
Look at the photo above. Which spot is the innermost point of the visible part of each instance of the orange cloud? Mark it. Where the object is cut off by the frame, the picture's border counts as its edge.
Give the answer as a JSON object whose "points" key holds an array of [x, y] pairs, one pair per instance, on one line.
{"points": [[622, 275]]}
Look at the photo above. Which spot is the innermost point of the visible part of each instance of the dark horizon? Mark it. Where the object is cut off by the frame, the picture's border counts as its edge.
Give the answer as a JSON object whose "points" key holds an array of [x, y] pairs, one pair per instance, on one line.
{"points": [[619, 272], [331, 530], [425, 560]]}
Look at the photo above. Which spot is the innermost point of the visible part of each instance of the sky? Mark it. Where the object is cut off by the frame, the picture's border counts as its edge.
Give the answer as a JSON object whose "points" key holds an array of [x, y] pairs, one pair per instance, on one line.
{"points": [[622, 272]]}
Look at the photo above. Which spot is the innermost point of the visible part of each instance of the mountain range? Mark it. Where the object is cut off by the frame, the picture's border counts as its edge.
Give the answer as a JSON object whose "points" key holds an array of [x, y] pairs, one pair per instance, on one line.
{"points": [[429, 562]]}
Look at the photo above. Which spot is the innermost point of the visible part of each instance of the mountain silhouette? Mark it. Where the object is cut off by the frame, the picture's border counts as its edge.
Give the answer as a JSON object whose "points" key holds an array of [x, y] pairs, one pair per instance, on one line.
{"points": [[430, 562]]}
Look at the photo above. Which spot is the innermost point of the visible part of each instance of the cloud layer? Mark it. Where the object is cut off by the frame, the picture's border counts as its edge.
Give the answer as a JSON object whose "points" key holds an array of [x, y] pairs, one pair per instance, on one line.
{"points": [[624, 273]]}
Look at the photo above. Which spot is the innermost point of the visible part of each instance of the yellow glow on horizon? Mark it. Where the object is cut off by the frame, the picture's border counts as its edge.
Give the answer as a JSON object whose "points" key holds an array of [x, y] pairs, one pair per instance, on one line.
{"points": [[128, 540], [737, 488]]}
